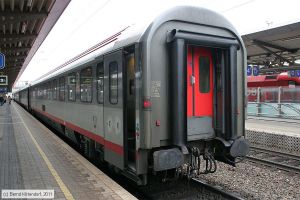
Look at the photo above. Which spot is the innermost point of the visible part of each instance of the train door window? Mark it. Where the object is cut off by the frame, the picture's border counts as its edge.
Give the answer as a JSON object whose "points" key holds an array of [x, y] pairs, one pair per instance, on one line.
{"points": [[204, 76], [62, 82], [72, 87], [86, 80], [100, 82], [55, 89], [113, 82]]}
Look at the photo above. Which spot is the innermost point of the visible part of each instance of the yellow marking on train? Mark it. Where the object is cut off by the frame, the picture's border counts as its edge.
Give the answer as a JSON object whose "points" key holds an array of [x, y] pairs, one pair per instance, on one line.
{"points": [[54, 173]]}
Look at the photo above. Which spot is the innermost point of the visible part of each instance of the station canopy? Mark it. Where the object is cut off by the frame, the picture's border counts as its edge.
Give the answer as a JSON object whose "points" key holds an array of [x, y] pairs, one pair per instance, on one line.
{"points": [[276, 49], [24, 26]]}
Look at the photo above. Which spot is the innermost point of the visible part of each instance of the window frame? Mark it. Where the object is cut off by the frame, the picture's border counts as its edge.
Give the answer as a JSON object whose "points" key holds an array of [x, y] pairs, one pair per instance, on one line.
{"points": [[50, 94], [80, 84], [68, 86], [59, 89], [98, 78], [55, 89]]}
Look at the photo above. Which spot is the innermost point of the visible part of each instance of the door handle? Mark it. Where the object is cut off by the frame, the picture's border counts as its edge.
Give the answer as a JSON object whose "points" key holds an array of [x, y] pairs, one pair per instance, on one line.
{"points": [[95, 121], [192, 80]]}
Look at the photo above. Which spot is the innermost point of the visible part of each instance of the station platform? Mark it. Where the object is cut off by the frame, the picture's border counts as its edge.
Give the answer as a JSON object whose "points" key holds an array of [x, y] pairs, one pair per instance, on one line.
{"points": [[32, 157], [283, 134]]}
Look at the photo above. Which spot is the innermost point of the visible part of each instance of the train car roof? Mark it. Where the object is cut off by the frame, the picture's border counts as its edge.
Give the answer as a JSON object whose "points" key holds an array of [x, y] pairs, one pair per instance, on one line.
{"points": [[141, 32]]}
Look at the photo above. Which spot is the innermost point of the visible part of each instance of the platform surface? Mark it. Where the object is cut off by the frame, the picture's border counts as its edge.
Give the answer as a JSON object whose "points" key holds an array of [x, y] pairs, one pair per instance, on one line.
{"points": [[32, 157], [286, 127]]}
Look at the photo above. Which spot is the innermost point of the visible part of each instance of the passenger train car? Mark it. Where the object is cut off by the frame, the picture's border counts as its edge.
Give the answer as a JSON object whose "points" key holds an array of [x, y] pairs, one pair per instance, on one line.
{"points": [[155, 101]]}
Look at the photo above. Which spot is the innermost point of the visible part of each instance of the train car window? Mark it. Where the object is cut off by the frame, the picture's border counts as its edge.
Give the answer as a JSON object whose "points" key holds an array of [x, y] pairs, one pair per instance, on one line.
{"points": [[86, 80], [40, 94], [72, 87], [50, 91], [204, 70], [33, 93], [113, 82], [271, 77], [45, 95], [55, 89], [41, 91], [100, 82], [47, 91], [62, 83]]}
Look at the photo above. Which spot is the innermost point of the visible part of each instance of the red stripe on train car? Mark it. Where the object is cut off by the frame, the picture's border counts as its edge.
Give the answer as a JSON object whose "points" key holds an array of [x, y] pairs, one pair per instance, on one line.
{"points": [[49, 116], [114, 147], [86, 133], [118, 149]]}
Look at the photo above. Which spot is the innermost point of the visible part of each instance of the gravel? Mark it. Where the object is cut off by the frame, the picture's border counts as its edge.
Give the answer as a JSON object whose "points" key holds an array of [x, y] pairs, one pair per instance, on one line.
{"points": [[254, 181]]}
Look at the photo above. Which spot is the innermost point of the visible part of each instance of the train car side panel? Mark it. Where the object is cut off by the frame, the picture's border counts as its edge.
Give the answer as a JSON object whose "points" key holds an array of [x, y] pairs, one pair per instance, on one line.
{"points": [[113, 109]]}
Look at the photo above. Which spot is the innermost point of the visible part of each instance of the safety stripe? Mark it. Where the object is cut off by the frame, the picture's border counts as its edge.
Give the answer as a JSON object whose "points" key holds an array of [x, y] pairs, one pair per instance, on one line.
{"points": [[12, 123], [118, 149]]}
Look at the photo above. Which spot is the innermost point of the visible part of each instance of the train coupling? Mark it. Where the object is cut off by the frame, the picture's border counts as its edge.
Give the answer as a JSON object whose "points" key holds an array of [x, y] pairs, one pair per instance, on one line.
{"points": [[195, 161]]}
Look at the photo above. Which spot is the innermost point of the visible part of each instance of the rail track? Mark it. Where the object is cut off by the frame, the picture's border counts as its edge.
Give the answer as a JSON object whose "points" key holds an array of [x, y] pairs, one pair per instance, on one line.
{"points": [[193, 189], [217, 190], [283, 161]]}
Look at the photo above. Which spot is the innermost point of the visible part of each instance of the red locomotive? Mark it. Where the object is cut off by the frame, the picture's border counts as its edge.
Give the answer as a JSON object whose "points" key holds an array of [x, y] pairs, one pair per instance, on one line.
{"points": [[270, 88]]}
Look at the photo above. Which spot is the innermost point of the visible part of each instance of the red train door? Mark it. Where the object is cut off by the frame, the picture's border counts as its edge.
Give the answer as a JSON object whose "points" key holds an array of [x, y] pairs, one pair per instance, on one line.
{"points": [[199, 92]]}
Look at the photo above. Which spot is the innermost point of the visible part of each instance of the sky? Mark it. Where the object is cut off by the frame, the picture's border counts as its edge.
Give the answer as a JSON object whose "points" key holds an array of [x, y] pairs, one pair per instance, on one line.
{"points": [[85, 23]]}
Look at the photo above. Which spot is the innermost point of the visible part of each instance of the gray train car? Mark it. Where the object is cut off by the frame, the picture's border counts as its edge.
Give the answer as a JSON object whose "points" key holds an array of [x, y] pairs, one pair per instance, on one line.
{"points": [[22, 97], [158, 100]]}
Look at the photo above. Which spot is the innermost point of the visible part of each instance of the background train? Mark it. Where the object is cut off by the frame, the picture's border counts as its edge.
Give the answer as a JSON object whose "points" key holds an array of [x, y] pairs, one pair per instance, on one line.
{"points": [[155, 100], [273, 80], [271, 84]]}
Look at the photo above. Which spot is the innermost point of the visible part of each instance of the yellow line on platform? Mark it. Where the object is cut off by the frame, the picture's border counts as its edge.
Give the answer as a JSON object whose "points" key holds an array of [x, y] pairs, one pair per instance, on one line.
{"points": [[13, 123], [54, 173]]}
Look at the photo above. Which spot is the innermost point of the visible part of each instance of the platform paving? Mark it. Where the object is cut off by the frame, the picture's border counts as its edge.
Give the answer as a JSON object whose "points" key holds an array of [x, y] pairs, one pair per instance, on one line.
{"points": [[32, 157], [273, 125]]}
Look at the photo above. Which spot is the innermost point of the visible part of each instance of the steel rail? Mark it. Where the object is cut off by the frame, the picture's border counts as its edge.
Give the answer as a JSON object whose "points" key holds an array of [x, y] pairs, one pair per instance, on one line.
{"points": [[278, 165], [215, 189], [288, 155]]}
